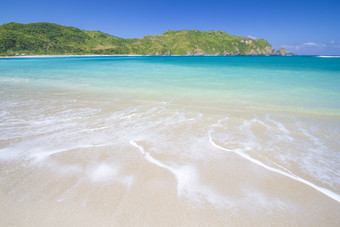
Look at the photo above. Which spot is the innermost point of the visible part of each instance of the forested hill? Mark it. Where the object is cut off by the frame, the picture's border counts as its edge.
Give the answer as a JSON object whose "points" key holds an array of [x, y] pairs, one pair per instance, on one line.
{"points": [[53, 39]]}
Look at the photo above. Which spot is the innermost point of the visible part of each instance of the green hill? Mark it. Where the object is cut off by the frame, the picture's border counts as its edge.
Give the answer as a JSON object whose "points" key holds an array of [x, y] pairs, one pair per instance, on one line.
{"points": [[53, 39]]}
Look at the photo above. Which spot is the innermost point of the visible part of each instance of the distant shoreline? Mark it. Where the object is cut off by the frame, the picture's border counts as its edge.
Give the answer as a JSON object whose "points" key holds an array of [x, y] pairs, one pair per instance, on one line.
{"points": [[136, 55], [67, 55]]}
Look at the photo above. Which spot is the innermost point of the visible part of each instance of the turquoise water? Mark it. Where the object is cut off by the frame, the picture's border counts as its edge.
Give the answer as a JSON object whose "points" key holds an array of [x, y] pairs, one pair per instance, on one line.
{"points": [[306, 83], [190, 140]]}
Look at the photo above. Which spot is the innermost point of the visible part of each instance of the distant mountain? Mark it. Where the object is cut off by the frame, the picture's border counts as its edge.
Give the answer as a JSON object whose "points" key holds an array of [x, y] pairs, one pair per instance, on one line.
{"points": [[53, 39]]}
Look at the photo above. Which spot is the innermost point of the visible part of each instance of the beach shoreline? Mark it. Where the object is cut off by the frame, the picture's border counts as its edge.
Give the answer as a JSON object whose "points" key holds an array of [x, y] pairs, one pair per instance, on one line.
{"points": [[178, 141]]}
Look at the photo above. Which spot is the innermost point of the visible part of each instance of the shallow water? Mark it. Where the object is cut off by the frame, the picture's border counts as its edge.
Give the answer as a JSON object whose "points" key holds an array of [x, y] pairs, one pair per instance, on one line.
{"points": [[170, 141]]}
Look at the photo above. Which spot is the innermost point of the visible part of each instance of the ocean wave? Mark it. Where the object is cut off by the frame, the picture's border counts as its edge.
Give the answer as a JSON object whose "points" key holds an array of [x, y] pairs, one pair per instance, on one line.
{"points": [[328, 56], [241, 153]]}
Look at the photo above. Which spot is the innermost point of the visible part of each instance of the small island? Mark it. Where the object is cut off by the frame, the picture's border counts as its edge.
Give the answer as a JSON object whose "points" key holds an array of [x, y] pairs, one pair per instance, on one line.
{"points": [[52, 39]]}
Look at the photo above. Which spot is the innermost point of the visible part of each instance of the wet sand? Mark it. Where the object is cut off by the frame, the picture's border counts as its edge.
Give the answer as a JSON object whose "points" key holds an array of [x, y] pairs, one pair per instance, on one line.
{"points": [[153, 164]]}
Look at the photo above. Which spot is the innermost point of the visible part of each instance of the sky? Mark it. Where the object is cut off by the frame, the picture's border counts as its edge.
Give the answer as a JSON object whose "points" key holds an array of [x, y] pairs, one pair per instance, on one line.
{"points": [[300, 26]]}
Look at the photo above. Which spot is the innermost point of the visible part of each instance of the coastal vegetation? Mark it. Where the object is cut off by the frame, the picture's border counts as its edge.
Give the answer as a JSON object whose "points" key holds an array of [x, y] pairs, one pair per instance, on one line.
{"points": [[52, 39]]}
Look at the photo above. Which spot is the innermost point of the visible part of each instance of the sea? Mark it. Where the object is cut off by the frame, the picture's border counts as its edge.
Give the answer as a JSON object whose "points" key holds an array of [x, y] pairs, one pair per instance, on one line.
{"points": [[170, 141]]}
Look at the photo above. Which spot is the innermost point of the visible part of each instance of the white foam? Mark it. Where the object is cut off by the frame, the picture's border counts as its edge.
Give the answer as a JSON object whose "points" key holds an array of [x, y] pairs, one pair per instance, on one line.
{"points": [[8, 154], [283, 143], [284, 133], [315, 140], [103, 171], [188, 184], [292, 176], [325, 56], [320, 158]]}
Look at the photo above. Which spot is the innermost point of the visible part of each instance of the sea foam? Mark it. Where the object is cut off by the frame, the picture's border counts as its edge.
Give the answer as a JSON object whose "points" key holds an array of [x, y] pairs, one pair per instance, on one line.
{"points": [[330, 56], [241, 153], [188, 183]]}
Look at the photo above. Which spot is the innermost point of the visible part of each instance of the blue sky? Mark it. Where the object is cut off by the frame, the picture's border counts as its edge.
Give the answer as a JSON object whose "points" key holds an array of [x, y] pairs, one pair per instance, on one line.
{"points": [[304, 27]]}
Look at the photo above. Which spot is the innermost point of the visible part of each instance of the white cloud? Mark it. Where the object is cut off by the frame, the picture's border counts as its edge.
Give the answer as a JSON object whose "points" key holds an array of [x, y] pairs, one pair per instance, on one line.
{"points": [[332, 42], [305, 45], [311, 44], [252, 37]]}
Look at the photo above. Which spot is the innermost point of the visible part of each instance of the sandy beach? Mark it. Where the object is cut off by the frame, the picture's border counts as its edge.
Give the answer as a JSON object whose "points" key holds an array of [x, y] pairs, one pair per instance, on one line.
{"points": [[150, 141]]}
